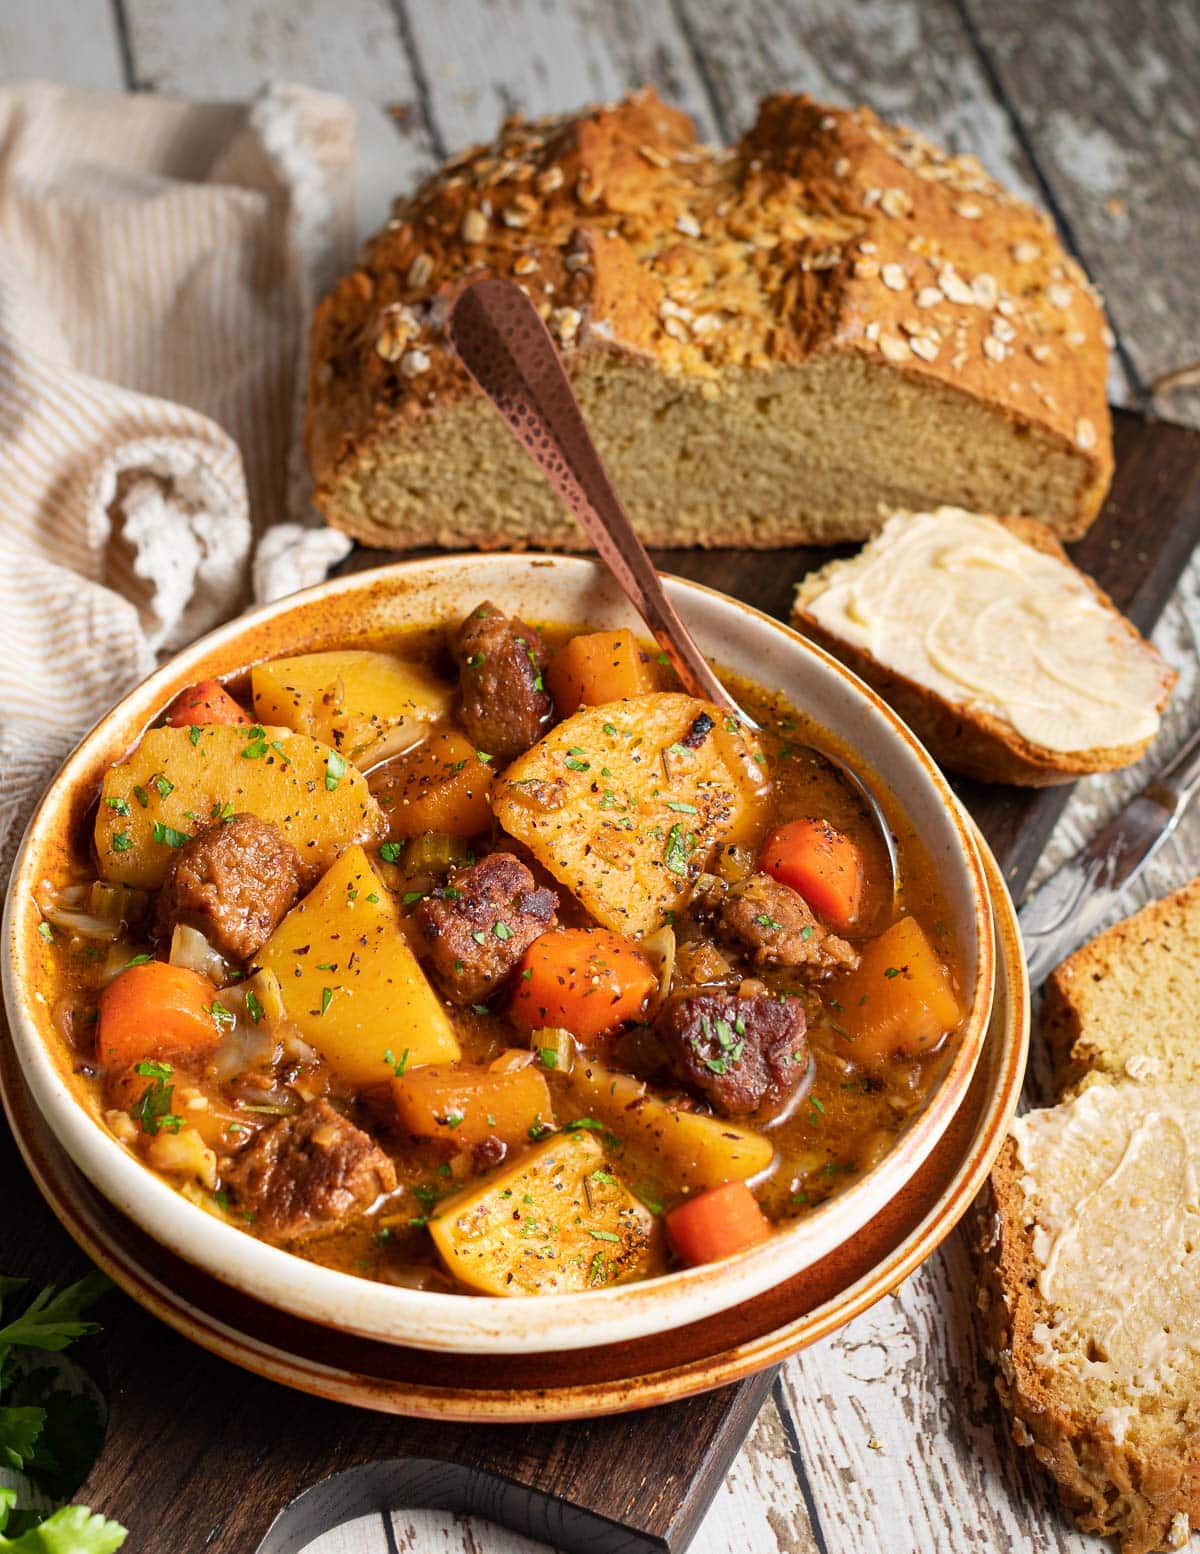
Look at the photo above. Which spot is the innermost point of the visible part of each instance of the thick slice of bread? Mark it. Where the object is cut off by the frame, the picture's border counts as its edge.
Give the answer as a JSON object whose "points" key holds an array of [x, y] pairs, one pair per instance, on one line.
{"points": [[1091, 1303], [964, 732], [1090, 1245], [1127, 1005], [772, 343]]}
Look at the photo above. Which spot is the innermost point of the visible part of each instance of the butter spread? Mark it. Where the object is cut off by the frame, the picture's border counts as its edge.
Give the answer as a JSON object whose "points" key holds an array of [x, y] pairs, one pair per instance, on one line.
{"points": [[955, 602], [1110, 1180]]}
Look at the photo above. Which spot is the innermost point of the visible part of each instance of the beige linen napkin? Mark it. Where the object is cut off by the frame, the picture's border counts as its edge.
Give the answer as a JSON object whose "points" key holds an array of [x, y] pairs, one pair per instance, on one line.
{"points": [[158, 262]]}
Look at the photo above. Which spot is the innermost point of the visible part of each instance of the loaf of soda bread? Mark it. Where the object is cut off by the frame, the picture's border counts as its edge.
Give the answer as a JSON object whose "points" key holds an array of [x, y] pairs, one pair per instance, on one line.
{"points": [[1091, 1238], [1009, 663], [773, 343]]}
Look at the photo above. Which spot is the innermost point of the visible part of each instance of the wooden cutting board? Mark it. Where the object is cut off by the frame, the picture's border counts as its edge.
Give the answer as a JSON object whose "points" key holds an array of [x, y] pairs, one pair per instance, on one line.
{"points": [[202, 1456]]}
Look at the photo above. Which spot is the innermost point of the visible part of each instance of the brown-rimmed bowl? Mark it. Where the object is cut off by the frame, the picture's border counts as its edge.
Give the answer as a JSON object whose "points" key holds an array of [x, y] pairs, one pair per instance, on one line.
{"points": [[365, 607]]}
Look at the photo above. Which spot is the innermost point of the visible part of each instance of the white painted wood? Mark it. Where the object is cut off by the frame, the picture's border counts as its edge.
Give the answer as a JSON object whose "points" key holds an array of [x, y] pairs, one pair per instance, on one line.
{"points": [[72, 41], [904, 1441], [229, 48], [484, 58], [1109, 97]]}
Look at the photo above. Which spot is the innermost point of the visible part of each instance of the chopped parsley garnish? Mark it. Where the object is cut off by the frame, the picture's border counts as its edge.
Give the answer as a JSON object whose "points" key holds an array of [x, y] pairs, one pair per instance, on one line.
{"points": [[502, 931], [604, 1235], [574, 765], [396, 1064], [609, 729], [326, 998], [676, 855], [451, 1120], [121, 842], [120, 805], [258, 745], [221, 1015], [194, 733], [765, 920], [410, 896], [549, 1057], [163, 786], [152, 1110], [681, 808], [222, 812], [253, 1008], [168, 836], [480, 1009], [138, 960], [335, 769], [806, 932], [892, 971], [141, 795], [390, 852], [483, 756], [46, 932], [475, 660]]}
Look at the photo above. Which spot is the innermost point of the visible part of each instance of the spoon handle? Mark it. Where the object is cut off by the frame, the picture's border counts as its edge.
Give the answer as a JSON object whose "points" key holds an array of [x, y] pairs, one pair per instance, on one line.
{"points": [[508, 351]]}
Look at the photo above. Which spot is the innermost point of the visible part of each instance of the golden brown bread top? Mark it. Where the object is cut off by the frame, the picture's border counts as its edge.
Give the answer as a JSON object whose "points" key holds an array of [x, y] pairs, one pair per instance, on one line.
{"points": [[824, 230]]}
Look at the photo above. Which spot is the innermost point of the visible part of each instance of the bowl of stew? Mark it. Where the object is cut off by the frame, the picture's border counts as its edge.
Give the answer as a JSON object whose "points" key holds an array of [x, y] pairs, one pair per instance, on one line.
{"points": [[416, 956]]}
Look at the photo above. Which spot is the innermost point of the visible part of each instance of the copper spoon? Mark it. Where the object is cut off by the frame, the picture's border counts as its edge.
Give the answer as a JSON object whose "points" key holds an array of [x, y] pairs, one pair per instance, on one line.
{"points": [[508, 351]]}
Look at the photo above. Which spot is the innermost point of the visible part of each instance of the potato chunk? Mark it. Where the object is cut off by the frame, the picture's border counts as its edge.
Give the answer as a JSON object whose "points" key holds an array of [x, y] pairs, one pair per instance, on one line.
{"points": [[555, 1222], [464, 1106], [351, 984], [366, 705], [625, 803], [688, 1148], [179, 778]]}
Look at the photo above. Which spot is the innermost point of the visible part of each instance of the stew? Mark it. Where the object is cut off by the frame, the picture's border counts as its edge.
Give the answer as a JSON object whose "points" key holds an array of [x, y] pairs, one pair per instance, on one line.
{"points": [[488, 961]]}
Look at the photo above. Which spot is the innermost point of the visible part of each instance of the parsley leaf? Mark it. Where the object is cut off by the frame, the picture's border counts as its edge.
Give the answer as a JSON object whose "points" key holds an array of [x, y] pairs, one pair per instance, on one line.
{"points": [[335, 769]]}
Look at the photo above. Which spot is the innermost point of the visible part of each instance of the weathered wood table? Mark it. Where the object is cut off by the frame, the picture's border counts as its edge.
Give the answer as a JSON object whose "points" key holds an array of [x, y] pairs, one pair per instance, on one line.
{"points": [[886, 1437]]}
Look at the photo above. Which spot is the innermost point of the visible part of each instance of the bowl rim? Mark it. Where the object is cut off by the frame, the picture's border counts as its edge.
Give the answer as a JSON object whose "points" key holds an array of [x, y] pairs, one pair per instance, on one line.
{"points": [[431, 1319]]}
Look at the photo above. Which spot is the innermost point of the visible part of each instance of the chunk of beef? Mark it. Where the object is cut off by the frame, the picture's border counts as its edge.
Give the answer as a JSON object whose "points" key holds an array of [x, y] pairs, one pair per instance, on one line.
{"points": [[475, 930], [234, 881], [742, 1054], [773, 924], [305, 1175], [503, 705]]}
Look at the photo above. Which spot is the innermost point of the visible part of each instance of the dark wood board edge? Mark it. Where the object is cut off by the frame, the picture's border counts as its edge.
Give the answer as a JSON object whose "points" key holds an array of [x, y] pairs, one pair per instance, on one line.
{"points": [[201, 1455]]}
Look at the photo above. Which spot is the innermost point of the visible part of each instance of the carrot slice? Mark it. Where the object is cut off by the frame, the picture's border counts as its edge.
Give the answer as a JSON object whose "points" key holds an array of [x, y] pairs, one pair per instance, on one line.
{"points": [[716, 1224], [597, 667], [154, 1009], [584, 980], [206, 702], [901, 998], [821, 865]]}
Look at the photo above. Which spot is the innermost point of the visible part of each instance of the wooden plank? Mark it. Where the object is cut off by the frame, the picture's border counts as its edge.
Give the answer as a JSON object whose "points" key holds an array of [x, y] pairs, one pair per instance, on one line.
{"points": [[1109, 101], [904, 1438], [915, 63], [230, 48], [74, 41], [481, 62]]}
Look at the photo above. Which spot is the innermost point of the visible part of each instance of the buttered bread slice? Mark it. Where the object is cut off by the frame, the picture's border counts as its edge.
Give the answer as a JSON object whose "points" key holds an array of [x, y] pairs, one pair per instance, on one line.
{"points": [[1092, 1304], [1006, 660]]}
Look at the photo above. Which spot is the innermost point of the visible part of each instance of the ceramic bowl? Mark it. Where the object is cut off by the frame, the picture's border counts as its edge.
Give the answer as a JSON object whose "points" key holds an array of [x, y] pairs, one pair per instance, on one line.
{"points": [[442, 589]]}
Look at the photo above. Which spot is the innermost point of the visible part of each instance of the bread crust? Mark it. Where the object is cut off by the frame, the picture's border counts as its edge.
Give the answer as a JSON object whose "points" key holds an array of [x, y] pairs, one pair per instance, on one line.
{"points": [[1114, 1488], [825, 232], [970, 741]]}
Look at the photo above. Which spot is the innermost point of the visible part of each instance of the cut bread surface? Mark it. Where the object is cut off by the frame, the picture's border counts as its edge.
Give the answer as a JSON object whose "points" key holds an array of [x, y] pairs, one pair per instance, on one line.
{"points": [[1011, 666], [1127, 1005]]}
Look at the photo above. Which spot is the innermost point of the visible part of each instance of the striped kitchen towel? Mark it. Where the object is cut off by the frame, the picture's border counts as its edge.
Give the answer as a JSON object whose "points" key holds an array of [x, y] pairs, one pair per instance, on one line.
{"points": [[158, 263]]}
